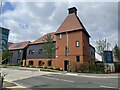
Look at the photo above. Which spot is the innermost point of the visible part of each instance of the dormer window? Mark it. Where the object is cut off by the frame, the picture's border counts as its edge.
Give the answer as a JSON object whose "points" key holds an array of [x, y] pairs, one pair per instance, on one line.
{"points": [[60, 36], [40, 51], [77, 43], [31, 52]]}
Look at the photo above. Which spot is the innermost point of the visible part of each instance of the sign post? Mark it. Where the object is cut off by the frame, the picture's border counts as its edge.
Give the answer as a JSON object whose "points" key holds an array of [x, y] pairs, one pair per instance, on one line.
{"points": [[108, 61]]}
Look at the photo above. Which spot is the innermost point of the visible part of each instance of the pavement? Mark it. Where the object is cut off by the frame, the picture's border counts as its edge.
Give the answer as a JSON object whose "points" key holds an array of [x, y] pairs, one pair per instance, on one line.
{"points": [[12, 80], [91, 75]]}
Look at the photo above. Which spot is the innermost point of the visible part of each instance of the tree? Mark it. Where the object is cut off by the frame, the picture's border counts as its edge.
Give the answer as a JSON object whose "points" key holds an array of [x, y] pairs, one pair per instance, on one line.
{"points": [[101, 46], [6, 55], [116, 52], [49, 47]]}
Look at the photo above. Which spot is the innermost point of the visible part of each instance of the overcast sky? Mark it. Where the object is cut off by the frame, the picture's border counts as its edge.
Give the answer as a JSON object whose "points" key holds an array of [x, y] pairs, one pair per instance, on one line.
{"points": [[28, 21]]}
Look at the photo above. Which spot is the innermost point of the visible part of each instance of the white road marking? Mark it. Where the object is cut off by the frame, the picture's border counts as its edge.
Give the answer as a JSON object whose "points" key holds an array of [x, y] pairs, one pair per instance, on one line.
{"points": [[103, 86], [51, 78], [59, 79], [67, 80]]}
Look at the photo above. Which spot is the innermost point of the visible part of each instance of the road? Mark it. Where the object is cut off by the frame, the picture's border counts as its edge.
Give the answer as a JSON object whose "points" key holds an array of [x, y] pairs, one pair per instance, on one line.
{"points": [[63, 81], [31, 80]]}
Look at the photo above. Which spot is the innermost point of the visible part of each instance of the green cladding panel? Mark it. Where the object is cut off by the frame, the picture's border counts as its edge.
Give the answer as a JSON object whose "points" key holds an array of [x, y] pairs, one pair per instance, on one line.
{"points": [[4, 33]]}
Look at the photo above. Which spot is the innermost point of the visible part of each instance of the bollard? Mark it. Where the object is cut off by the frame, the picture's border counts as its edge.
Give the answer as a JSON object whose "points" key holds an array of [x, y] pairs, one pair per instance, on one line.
{"points": [[1, 81]]}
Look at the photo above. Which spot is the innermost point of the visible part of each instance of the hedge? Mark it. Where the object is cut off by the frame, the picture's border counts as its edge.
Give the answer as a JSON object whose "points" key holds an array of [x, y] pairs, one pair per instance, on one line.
{"points": [[87, 67], [117, 67]]}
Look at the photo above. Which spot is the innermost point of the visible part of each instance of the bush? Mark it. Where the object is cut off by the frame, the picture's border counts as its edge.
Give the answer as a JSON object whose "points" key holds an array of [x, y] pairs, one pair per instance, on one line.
{"points": [[57, 68], [83, 67], [117, 67], [12, 65], [50, 67], [61, 69], [73, 67], [44, 67], [100, 68], [31, 66], [92, 68], [87, 67]]}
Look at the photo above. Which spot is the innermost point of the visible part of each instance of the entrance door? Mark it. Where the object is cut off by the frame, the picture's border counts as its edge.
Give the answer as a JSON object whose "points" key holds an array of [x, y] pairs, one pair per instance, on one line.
{"points": [[66, 62]]}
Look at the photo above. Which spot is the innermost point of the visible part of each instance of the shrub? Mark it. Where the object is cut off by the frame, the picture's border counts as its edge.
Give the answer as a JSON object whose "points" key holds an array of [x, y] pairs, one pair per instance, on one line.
{"points": [[56, 68], [12, 65], [61, 69], [92, 68], [83, 67], [27, 66], [73, 67], [50, 67], [87, 67], [45, 67], [117, 67], [100, 67], [31, 66]]}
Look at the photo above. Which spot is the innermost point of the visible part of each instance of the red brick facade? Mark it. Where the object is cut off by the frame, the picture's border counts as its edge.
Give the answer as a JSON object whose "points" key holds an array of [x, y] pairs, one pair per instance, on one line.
{"points": [[70, 33]]}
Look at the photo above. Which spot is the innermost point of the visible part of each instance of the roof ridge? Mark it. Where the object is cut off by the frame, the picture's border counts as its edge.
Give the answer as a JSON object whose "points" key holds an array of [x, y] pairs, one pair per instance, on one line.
{"points": [[22, 42]]}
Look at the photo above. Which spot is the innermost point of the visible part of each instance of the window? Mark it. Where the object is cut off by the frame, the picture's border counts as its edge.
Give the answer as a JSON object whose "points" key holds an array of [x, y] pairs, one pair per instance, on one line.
{"points": [[60, 36], [49, 63], [91, 53], [18, 61], [40, 51], [19, 51], [40, 63], [11, 54], [66, 50], [31, 52], [77, 58], [31, 63], [77, 43]]}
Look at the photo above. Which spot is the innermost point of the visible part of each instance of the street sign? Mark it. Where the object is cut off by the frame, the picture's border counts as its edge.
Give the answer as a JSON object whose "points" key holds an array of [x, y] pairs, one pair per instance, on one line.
{"points": [[108, 57]]}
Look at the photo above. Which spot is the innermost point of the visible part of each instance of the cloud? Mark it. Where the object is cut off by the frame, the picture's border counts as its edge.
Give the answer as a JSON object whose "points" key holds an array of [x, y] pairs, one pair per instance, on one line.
{"points": [[30, 20]]}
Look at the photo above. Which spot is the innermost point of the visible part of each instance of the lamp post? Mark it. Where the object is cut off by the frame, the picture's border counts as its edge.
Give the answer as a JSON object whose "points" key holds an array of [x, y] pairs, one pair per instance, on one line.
{"points": [[1, 74]]}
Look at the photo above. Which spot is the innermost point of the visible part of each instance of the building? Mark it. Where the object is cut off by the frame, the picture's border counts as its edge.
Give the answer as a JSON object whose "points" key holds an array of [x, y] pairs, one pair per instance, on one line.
{"points": [[35, 52], [18, 51], [71, 41], [9, 44], [92, 53], [4, 33]]}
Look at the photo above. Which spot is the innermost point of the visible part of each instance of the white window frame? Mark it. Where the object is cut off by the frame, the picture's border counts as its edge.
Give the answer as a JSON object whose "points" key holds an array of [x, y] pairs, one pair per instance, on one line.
{"points": [[60, 36], [77, 43]]}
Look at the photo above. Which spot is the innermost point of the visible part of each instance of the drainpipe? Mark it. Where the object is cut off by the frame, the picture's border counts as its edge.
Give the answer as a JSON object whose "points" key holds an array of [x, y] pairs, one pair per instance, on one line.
{"points": [[67, 47]]}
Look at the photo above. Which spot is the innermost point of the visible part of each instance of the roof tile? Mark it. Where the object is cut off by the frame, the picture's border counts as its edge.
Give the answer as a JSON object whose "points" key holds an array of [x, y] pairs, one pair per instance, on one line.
{"points": [[20, 45], [71, 23], [41, 39]]}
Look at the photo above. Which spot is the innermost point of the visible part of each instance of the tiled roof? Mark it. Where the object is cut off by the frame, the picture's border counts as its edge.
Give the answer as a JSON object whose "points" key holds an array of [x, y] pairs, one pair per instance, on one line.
{"points": [[9, 44], [41, 39], [71, 23], [20, 45]]}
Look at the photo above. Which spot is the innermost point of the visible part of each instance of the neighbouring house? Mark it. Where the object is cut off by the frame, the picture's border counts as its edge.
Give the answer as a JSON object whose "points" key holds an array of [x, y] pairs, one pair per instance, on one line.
{"points": [[18, 51], [35, 52], [92, 53], [98, 57], [4, 33], [71, 41], [9, 44]]}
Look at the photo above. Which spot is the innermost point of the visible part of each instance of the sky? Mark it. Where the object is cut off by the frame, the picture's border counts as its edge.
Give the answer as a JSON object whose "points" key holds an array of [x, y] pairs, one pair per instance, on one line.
{"points": [[29, 21]]}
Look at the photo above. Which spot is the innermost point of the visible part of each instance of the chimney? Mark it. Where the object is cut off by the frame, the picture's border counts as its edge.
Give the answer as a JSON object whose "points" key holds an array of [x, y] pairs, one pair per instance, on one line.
{"points": [[72, 10]]}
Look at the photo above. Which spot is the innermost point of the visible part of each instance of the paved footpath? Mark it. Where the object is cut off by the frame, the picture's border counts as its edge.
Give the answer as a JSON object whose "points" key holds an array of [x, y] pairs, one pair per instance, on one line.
{"points": [[14, 74], [20, 73]]}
